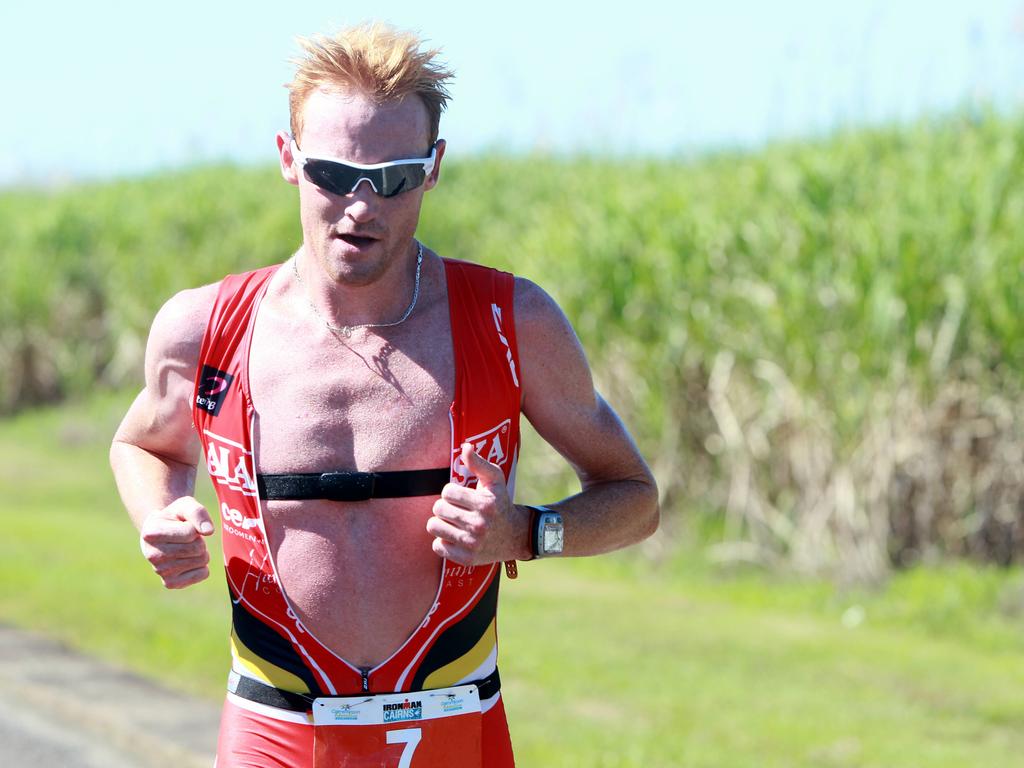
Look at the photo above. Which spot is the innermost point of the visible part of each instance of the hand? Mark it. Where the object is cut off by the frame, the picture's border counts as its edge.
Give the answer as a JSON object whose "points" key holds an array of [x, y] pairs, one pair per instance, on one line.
{"points": [[172, 541], [475, 526]]}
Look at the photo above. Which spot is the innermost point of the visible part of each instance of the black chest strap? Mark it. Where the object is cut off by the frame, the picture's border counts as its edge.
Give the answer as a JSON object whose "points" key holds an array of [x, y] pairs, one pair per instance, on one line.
{"points": [[353, 486]]}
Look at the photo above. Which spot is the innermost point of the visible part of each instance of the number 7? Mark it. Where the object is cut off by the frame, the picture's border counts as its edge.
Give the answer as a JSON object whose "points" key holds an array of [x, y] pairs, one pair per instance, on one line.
{"points": [[408, 736]]}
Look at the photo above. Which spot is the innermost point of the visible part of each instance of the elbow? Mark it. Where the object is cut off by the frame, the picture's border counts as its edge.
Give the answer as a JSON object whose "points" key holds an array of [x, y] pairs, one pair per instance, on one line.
{"points": [[653, 508], [113, 453], [648, 506], [653, 520], [117, 449]]}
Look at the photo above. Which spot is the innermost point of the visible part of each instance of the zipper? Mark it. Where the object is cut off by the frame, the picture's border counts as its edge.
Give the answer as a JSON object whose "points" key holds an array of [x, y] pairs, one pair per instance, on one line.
{"points": [[365, 671]]}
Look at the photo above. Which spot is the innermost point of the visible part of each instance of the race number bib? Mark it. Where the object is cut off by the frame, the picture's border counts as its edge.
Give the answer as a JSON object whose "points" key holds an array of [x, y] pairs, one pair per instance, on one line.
{"points": [[425, 729]]}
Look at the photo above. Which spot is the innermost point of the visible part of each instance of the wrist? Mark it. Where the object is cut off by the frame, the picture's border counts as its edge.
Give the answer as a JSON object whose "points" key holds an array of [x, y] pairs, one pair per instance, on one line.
{"points": [[528, 514], [547, 534]]}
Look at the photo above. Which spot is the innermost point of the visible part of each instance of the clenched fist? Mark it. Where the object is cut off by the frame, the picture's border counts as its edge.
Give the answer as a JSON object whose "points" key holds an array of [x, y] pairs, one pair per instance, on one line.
{"points": [[476, 526], [172, 540]]}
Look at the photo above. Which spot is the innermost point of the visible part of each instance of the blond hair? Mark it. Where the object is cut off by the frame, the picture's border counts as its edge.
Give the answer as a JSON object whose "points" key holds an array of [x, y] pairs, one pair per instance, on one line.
{"points": [[376, 60]]}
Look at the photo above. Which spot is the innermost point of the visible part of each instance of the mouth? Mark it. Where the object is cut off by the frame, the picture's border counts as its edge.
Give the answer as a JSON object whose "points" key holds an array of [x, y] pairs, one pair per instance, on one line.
{"points": [[357, 241]]}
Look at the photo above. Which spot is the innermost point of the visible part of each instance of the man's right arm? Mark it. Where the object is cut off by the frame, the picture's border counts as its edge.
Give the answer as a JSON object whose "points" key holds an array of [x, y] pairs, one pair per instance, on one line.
{"points": [[155, 450]]}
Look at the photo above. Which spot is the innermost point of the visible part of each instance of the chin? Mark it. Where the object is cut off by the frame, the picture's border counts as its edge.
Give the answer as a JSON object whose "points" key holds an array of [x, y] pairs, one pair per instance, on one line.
{"points": [[355, 266]]}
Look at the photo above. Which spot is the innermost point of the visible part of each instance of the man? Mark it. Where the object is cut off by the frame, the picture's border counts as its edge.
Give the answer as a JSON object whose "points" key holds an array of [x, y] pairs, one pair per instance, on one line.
{"points": [[359, 407]]}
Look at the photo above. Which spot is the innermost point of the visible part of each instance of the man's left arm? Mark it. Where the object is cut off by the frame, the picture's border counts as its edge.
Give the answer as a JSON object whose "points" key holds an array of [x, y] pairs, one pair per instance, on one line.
{"points": [[618, 503]]}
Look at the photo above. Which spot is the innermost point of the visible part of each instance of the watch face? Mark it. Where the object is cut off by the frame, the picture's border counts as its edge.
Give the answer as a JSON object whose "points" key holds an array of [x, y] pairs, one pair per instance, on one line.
{"points": [[552, 538]]}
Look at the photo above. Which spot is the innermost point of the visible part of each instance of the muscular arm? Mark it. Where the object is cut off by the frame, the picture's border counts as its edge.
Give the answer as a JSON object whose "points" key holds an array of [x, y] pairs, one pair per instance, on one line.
{"points": [[618, 503], [155, 449]]}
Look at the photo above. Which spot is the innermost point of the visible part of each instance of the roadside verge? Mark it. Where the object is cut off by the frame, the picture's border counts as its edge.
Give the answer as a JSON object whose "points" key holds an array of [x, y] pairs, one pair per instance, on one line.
{"points": [[74, 703]]}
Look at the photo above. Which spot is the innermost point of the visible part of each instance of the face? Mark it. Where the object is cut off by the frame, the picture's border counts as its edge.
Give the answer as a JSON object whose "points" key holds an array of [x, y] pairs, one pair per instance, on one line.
{"points": [[358, 237]]}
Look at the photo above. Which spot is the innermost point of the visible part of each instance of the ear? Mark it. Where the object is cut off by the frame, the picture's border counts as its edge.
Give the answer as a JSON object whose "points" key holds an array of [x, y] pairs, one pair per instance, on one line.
{"points": [[284, 152], [431, 181]]}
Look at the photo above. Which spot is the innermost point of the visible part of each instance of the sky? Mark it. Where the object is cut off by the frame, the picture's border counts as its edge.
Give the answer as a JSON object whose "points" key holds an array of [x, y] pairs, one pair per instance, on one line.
{"points": [[105, 89]]}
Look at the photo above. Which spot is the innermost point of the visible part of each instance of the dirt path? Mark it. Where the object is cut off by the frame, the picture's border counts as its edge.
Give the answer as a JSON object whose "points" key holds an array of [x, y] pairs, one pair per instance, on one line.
{"points": [[59, 709]]}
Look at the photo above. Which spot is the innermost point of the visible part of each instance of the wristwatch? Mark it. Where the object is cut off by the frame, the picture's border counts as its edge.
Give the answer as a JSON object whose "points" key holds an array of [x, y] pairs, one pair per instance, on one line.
{"points": [[547, 535]]}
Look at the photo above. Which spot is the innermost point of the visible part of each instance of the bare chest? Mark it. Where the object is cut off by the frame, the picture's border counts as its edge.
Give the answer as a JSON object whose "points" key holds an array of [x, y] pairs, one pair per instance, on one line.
{"points": [[366, 403], [360, 576]]}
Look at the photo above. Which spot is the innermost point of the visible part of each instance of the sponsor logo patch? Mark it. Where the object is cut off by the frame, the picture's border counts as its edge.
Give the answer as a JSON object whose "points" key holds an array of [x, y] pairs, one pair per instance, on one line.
{"points": [[213, 387], [344, 712], [493, 445], [228, 464], [238, 524], [453, 703], [407, 710]]}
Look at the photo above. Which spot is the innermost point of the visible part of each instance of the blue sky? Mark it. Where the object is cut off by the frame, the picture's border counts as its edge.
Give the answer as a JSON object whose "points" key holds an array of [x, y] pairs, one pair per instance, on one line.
{"points": [[107, 88]]}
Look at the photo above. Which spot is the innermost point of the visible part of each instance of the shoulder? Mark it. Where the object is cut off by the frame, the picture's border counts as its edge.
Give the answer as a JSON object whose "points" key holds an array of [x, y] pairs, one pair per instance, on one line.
{"points": [[186, 313], [178, 327], [531, 299], [539, 318]]}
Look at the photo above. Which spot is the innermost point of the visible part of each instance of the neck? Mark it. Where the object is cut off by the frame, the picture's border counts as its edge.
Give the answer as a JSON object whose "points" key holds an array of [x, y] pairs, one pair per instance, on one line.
{"points": [[343, 304]]}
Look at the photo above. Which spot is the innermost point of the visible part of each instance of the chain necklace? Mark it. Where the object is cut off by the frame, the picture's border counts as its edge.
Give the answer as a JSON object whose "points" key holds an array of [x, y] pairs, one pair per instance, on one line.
{"points": [[346, 330]]}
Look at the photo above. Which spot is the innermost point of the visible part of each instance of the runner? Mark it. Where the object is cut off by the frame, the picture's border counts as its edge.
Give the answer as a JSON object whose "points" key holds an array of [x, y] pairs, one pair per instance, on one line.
{"points": [[358, 406]]}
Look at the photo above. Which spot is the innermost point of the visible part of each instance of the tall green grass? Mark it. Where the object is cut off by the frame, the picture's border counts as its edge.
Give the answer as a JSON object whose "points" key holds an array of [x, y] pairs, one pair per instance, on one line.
{"points": [[796, 335]]}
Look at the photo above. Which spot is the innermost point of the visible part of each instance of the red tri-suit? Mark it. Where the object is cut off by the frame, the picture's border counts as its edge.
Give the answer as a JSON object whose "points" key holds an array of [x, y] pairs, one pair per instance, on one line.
{"points": [[457, 639]]}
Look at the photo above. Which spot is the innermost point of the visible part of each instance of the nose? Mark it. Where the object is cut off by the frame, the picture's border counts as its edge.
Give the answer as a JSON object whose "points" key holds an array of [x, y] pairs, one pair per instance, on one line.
{"points": [[361, 203]]}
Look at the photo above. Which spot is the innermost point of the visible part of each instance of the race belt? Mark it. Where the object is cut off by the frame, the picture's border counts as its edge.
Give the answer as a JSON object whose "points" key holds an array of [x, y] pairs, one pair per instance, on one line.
{"points": [[261, 693]]}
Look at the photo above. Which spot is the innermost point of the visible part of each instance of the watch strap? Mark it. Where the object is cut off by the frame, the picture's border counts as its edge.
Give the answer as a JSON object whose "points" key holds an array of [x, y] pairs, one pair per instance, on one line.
{"points": [[535, 513]]}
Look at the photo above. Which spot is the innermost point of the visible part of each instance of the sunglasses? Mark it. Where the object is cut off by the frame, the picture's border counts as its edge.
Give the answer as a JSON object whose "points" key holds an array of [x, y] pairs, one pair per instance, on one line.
{"points": [[339, 177]]}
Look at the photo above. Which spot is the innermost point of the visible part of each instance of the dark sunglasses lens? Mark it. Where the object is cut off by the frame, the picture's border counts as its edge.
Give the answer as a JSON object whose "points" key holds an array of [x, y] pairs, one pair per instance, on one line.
{"points": [[335, 178], [401, 178], [339, 179]]}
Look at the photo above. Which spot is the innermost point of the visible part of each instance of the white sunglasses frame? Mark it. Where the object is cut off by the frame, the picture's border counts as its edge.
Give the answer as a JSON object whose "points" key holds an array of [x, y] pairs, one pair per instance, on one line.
{"points": [[299, 158]]}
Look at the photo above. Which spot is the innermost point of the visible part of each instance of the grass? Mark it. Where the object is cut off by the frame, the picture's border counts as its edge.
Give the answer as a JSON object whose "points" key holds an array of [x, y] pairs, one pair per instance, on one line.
{"points": [[613, 661]]}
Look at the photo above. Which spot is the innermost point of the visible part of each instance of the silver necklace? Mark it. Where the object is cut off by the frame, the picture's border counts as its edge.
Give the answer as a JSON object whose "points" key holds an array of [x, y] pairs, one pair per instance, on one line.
{"points": [[346, 330]]}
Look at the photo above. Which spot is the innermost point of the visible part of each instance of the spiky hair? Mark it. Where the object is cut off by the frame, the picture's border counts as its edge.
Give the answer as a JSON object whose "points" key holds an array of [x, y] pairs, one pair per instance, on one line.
{"points": [[375, 59]]}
